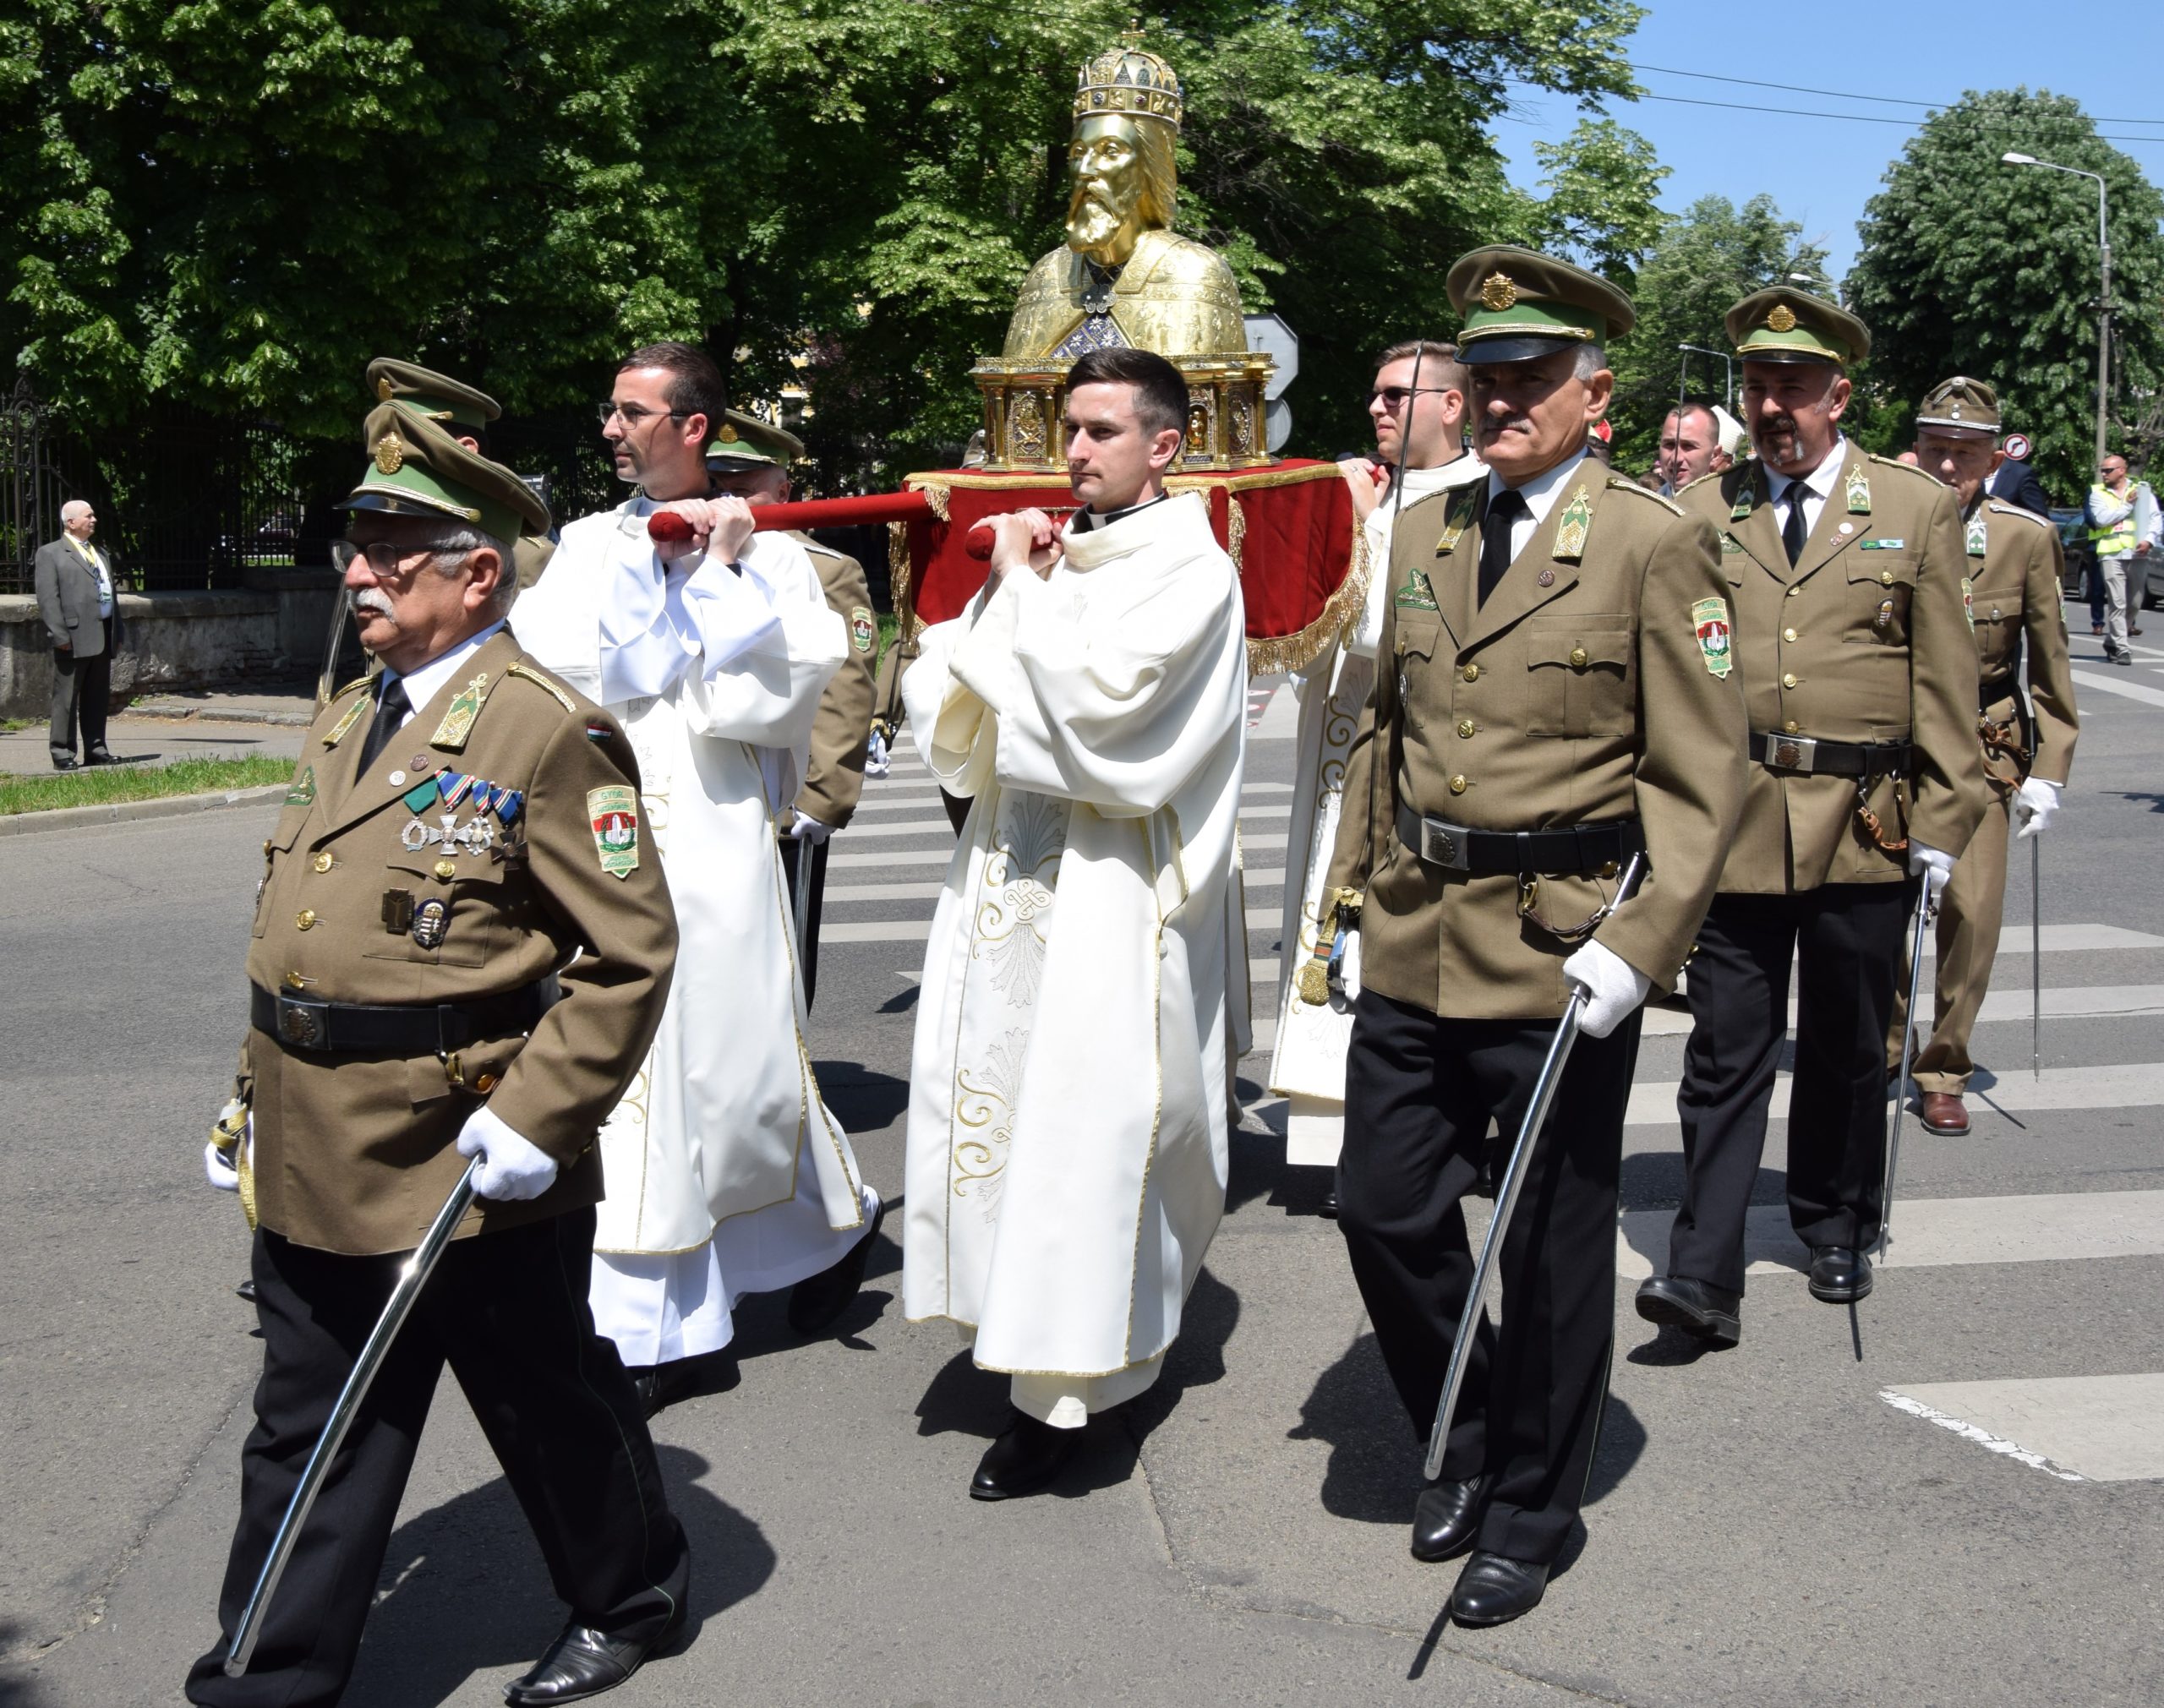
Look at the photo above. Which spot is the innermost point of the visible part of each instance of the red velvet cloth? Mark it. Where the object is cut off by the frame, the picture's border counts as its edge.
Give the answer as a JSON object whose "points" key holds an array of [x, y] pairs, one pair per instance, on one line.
{"points": [[1294, 544]]}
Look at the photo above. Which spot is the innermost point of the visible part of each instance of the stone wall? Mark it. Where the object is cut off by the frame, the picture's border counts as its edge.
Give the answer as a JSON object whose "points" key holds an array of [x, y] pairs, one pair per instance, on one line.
{"points": [[272, 630]]}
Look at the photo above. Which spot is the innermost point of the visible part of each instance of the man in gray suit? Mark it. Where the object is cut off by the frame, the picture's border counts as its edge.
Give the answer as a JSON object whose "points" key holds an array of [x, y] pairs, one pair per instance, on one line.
{"points": [[76, 597]]}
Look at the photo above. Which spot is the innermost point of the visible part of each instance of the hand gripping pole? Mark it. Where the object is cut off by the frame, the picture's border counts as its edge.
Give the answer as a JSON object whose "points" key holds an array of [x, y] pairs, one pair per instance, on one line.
{"points": [[415, 1276], [1506, 1195]]}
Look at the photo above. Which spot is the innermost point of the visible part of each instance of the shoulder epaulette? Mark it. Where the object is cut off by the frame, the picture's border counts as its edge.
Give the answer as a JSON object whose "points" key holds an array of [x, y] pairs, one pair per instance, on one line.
{"points": [[1617, 483], [1905, 467], [2000, 507], [527, 672], [1694, 485], [1430, 497], [357, 682]]}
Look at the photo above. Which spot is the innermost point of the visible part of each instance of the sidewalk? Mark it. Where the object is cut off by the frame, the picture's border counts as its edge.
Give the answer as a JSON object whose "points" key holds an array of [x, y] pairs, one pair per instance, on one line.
{"points": [[159, 728]]}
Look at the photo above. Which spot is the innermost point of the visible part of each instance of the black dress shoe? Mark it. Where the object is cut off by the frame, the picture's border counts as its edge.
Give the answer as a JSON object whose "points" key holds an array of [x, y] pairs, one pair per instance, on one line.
{"points": [[659, 1386], [1027, 1456], [817, 1300], [68, 762], [1492, 1589], [246, 1290], [1697, 1307], [1840, 1274], [583, 1662], [1327, 1210], [100, 757], [1446, 1517]]}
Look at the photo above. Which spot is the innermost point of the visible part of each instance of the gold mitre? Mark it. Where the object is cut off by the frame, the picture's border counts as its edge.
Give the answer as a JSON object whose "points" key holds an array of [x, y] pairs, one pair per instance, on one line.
{"points": [[1128, 81]]}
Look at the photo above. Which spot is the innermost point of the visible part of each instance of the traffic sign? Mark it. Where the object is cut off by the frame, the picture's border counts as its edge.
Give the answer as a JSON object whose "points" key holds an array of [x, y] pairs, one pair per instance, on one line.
{"points": [[1282, 344]]}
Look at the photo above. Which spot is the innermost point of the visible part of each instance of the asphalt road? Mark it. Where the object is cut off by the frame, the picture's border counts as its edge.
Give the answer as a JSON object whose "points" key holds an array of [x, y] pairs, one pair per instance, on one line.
{"points": [[1872, 1507]]}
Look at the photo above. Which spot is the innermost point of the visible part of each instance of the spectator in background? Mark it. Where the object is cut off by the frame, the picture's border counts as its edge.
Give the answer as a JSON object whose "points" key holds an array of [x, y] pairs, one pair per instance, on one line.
{"points": [[2124, 529], [76, 597], [1691, 446], [2017, 483]]}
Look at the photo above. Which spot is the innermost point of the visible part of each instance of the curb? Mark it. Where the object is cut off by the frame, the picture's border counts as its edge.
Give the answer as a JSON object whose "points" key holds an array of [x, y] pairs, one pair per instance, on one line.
{"points": [[126, 811], [170, 713]]}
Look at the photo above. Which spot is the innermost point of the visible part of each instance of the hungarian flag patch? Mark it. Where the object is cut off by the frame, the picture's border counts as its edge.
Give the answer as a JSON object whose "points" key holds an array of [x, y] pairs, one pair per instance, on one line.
{"points": [[614, 812], [1709, 617]]}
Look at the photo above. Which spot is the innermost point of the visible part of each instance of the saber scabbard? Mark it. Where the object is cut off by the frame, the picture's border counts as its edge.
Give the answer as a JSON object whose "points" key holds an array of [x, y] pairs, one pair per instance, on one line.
{"points": [[1506, 1194], [415, 1276], [1907, 1054]]}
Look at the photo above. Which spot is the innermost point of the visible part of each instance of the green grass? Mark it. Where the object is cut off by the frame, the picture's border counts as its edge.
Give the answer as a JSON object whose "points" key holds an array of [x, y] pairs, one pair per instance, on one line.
{"points": [[11, 726], [104, 784]]}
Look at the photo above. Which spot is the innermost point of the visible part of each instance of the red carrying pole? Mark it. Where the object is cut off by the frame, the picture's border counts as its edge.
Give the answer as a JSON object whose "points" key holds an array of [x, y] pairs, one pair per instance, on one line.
{"points": [[831, 513]]}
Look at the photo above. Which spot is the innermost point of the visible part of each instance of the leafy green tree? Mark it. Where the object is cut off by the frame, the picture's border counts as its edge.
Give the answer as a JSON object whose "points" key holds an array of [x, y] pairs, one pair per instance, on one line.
{"points": [[1971, 266]]}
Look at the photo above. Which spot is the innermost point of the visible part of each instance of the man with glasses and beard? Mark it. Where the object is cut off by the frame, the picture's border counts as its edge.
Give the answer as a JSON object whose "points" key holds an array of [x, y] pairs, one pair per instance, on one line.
{"points": [[727, 1173], [1852, 636]]}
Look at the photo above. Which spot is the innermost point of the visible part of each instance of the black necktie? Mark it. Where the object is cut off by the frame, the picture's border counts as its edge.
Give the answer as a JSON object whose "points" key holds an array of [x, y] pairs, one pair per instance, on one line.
{"points": [[1793, 531], [391, 711], [1503, 511]]}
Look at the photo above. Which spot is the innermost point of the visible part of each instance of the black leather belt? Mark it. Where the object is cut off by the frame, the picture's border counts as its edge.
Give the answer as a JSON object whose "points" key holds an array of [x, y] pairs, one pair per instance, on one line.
{"points": [[1578, 848], [1803, 755], [1994, 688], [356, 1028]]}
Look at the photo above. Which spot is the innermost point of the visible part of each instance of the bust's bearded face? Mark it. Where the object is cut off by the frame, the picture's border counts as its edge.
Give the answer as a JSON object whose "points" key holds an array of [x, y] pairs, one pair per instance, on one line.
{"points": [[1106, 172]]}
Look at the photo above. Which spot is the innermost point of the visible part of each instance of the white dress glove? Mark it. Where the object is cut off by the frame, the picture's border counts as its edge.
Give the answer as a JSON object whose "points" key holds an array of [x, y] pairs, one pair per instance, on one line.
{"points": [[1614, 988], [1922, 857], [511, 1169], [1349, 968], [809, 829], [876, 762], [218, 1168], [2036, 805]]}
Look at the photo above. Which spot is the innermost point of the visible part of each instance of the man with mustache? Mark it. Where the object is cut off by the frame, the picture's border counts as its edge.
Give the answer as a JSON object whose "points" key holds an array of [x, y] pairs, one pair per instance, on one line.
{"points": [[1859, 667], [1554, 698]]}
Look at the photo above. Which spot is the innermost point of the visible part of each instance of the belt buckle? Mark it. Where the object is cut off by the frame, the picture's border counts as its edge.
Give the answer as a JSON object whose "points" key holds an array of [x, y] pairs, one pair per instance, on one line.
{"points": [[1798, 753], [1440, 848], [302, 1025]]}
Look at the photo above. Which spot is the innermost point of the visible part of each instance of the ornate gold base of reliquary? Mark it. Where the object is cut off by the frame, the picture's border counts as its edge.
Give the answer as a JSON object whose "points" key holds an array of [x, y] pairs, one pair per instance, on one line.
{"points": [[1025, 403]]}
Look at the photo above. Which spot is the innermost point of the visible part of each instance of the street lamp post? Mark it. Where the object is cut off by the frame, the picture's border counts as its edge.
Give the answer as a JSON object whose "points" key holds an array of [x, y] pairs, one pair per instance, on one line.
{"points": [[2103, 304]]}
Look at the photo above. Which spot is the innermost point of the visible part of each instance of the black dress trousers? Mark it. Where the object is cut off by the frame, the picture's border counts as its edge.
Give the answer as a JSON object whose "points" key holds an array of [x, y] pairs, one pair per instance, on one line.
{"points": [[1419, 1092], [1845, 941], [507, 1311]]}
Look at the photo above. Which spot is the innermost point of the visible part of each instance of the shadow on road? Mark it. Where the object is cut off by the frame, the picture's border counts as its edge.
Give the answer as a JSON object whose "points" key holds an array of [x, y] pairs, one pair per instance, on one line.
{"points": [[19, 1689], [862, 1100], [464, 1591]]}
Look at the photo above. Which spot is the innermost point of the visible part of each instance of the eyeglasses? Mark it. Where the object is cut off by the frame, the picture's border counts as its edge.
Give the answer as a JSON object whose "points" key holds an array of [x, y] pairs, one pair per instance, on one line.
{"points": [[1394, 396], [386, 557], [632, 415]]}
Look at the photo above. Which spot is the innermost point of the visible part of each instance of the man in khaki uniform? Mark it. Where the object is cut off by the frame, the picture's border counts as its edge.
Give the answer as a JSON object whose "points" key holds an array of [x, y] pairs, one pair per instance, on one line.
{"points": [[749, 460], [465, 414], [1859, 675], [2015, 562], [461, 947], [1553, 696]]}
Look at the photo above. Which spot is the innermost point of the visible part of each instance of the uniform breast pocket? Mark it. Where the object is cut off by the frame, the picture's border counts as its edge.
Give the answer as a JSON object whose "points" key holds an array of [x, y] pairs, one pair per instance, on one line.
{"points": [[1417, 632], [277, 847], [1881, 587], [459, 921], [1580, 677]]}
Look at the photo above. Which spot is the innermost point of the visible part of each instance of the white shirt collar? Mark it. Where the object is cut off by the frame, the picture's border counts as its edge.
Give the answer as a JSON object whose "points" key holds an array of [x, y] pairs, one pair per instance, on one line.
{"points": [[1819, 483], [1540, 493], [425, 682]]}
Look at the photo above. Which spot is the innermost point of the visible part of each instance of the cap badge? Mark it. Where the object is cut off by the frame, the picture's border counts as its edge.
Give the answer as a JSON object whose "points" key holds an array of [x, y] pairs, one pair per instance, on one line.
{"points": [[383, 392], [728, 435], [1498, 292], [1782, 319], [390, 453]]}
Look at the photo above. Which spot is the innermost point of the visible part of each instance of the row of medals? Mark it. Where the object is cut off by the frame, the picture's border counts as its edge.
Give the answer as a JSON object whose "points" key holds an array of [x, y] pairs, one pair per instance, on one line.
{"points": [[478, 836]]}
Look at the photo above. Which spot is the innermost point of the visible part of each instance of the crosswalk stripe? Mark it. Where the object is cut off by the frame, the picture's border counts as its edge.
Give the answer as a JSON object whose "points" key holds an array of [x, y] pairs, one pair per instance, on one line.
{"points": [[892, 799], [2078, 1428], [2059, 940], [2109, 684], [2060, 1002], [1263, 879], [1936, 1233], [926, 826], [2115, 1085], [918, 930]]}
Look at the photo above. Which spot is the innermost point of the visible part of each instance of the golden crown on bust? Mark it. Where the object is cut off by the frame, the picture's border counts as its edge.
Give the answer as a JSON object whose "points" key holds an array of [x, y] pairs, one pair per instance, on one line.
{"points": [[1129, 80]]}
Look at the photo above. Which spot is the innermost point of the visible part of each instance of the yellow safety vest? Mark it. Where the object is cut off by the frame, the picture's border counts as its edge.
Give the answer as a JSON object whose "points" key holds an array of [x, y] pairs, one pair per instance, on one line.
{"points": [[2114, 539]]}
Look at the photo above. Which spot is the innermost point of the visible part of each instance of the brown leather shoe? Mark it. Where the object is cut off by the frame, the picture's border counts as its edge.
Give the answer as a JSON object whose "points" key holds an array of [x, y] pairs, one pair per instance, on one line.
{"points": [[1943, 1114]]}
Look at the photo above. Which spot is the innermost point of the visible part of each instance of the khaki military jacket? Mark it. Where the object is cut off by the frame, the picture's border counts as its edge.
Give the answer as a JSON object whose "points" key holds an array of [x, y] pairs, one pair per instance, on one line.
{"points": [[1864, 640], [834, 778], [1583, 690], [529, 557], [354, 1153], [2015, 597]]}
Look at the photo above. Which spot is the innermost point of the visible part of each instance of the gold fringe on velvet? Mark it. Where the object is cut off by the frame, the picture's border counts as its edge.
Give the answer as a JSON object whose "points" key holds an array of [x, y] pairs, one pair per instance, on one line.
{"points": [[898, 574], [1273, 654]]}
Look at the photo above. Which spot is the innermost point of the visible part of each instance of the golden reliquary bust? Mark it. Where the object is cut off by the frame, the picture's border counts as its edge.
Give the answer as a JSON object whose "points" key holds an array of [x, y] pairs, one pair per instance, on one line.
{"points": [[1123, 276]]}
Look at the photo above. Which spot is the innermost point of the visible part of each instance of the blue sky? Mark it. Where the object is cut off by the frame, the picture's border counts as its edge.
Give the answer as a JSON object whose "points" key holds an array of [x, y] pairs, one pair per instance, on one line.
{"points": [[1821, 172]]}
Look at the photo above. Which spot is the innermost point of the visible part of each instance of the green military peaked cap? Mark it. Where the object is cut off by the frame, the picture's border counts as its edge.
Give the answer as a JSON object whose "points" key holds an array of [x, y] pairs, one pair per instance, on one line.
{"points": [[1518, 304], [745, 442], [1782, 324], [436, 396], [416, 468], [1961, 403]]}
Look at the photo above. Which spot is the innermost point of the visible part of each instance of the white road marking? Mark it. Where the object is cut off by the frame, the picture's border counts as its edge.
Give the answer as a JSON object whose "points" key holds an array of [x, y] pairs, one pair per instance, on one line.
{"points": [[2100, 1428], [1983, 1437], [2117, 1085], [918, 931], [2013, 939], [2060, 1002], [1936, 1233], [2092, 681], [927, 826]]}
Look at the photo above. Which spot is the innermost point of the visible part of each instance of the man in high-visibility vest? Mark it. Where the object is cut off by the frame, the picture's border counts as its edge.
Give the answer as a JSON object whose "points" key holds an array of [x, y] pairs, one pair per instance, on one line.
{"points": [[2124, 526]]}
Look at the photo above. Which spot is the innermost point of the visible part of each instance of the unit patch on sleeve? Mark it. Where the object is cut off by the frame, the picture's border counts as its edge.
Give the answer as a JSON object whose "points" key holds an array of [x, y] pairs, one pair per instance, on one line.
{"points": [[614, 812], [863, 629], [1709, 617]]}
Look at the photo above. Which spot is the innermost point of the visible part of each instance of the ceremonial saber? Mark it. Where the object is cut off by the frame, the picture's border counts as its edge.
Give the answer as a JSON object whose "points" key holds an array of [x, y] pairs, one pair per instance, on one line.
{"points": [[1907, 1045], [410, 1280], [801, 898], [2036, 955], [1506, 1197]]}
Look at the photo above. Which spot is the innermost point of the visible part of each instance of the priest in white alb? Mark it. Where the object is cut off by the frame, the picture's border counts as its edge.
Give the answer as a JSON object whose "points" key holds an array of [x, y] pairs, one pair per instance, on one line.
{"points": [[1418, 406], [1066, 1143], [725, 1173]]}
